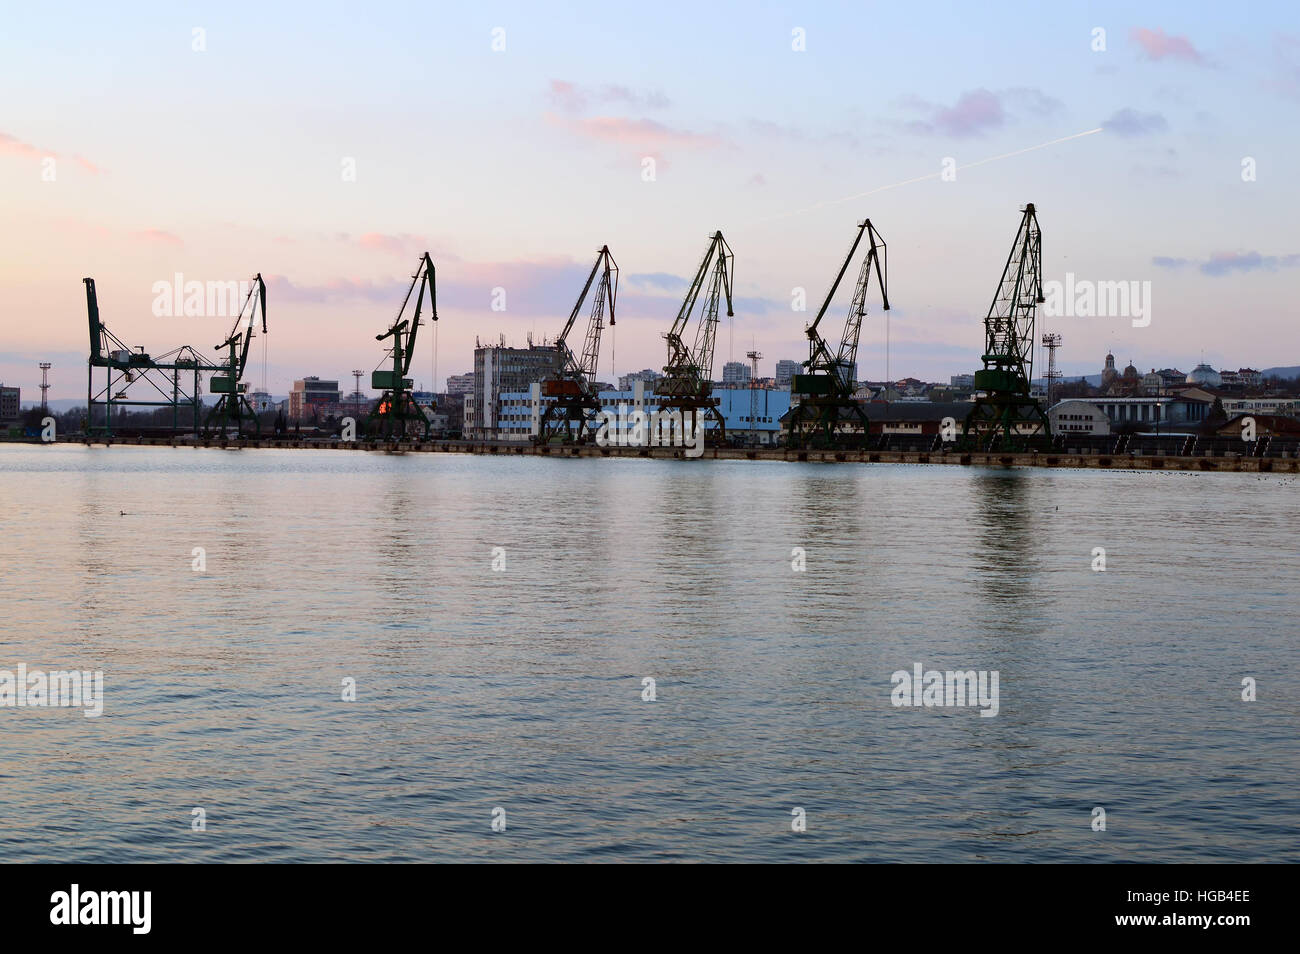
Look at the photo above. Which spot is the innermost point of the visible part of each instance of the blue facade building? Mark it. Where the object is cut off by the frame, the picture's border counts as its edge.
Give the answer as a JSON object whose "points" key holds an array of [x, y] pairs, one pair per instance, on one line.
{"points": [[520, 412]]}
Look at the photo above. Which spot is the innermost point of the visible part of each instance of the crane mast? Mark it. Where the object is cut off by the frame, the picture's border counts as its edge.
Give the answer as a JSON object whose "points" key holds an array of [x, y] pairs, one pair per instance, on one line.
{"points": [[233, 404], [572, 389], [1005, 417], [396, 409], [687, 385], [826, 414]]}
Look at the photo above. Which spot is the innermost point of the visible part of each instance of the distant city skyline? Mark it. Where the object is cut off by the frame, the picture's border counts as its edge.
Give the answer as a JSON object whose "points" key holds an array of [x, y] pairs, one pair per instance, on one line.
{"points": [[212, 156]]}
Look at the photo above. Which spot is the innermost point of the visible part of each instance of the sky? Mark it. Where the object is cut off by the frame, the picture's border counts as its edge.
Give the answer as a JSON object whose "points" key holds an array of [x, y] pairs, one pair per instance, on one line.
{"points": [[327, 146]]}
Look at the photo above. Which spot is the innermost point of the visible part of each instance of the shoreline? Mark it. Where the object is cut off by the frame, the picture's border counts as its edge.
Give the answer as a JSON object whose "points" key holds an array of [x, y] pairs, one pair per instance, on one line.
{"points": [[1057, 461]]}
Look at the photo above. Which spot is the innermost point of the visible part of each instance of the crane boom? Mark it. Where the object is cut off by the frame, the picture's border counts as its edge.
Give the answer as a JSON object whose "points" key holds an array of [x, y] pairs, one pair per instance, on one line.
{"points": [[606, 294], [1005, 416], [572, 389], [397, 406], [827, 412], [688, 368], [687, 387], [404, 348], [1009, 327], [232, 405], [254, 302], [841, 366]]}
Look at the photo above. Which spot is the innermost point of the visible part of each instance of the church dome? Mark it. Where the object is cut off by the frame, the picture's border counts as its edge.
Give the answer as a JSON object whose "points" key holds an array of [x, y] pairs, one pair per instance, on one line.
{"points": [[1204, 374]]}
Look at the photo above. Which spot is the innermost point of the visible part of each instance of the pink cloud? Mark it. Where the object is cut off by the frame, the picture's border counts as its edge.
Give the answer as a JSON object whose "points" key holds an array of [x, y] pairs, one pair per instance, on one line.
{"points": [[642, 133], [973, 114], [16, 147], [572, 98], [400, 244], [1158, 45], [13, 146], [333, 290], [565, 95], [158, 237]]}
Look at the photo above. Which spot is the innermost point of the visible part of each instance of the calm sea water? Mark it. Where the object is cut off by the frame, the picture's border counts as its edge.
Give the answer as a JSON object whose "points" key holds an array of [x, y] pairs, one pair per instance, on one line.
{"points": [[521, 688]]}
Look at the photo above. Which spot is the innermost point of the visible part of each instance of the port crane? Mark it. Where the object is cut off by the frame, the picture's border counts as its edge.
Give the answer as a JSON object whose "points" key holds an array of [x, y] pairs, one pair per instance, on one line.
{"points": [[134, 378], [826, 414], [687, 385], [397, 409], [572, 388], [1005, 417], [233, 403]]}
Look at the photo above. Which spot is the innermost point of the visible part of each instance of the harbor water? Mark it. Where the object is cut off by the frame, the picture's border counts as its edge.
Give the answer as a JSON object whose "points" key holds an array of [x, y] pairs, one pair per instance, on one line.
{"points": [[632, 660]]}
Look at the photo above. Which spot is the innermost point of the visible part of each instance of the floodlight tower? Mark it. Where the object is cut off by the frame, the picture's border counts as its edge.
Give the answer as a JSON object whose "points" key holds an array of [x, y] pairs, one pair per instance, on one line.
{"points": [[45, 386]]}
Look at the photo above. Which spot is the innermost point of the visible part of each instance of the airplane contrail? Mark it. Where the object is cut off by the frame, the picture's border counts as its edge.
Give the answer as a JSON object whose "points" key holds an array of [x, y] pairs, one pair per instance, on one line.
{"points": [[932, 175]]}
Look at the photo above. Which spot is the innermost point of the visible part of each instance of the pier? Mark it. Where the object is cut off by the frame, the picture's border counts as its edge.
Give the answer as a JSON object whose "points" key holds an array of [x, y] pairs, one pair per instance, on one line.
{"points": [[1093, 461]]}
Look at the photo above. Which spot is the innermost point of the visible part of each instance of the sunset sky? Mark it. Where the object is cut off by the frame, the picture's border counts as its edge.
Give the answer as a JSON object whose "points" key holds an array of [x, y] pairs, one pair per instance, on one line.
{"points": [[512, 167]]}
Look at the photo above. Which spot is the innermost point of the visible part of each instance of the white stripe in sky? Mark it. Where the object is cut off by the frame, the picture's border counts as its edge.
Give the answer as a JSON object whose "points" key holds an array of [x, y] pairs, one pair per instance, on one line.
{"points": [[932, 175]]}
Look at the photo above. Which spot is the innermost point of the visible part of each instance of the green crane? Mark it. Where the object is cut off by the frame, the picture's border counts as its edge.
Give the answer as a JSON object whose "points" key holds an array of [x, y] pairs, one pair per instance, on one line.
{"points": [[232, 406], [826, 414], [1005, 417], [572, 388], [397, 409], [132, 378], [687, 385]]}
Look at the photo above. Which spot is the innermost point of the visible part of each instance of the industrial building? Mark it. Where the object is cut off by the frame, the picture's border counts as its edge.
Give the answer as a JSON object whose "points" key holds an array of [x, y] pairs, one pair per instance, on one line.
{"points": [[786, 369], [1074, 417], [521, 411], [313, 398], [1152, 411], [10, 402], [1102, 415], [460, 383], [646, 376], [1261, 405], [501, 374], [735, 373]]}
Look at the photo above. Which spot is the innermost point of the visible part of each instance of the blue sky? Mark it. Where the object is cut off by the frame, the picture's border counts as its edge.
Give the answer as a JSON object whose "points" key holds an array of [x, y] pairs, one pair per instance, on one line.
{"points": [[514, 166]]}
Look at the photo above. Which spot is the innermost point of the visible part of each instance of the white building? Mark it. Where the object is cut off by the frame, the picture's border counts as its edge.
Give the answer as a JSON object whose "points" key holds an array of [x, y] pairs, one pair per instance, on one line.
{"points": [[1078, 417], [646, 376], [1154, 412], [1261, 405], [734, 372], [460, 383], [785, 372]]}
